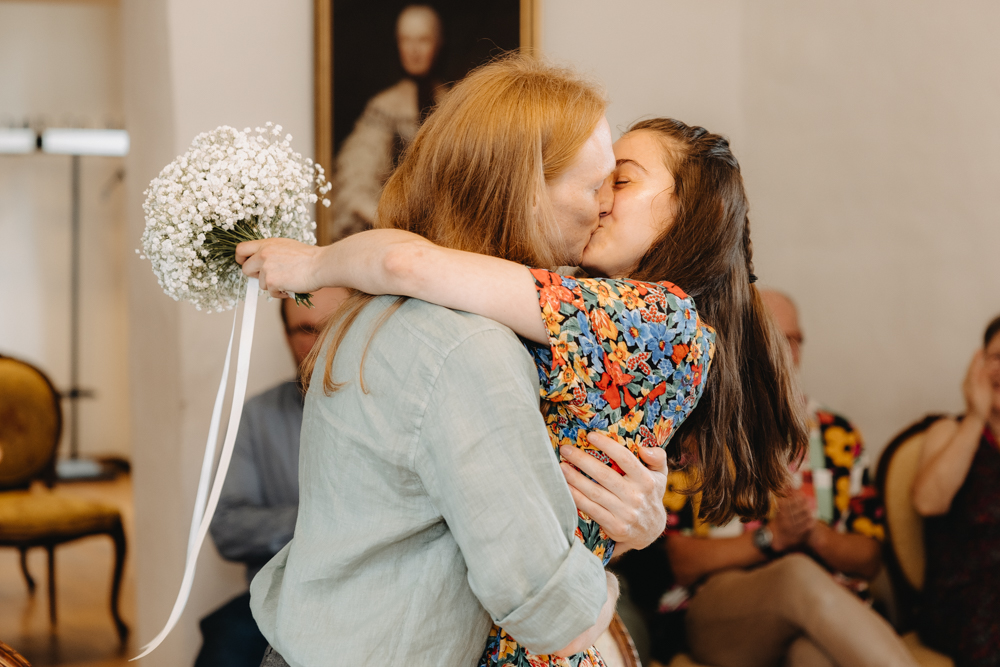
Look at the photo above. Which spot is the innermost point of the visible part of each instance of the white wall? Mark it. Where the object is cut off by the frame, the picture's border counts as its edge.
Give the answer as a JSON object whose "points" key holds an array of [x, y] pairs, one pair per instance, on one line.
{"points": [[60, 66], [653, 56], [868, 137], [191, 66], [873, 158]]}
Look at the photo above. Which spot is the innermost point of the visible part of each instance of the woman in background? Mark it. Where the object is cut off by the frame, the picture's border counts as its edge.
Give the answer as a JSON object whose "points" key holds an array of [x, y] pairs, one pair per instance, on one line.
{"points": [[957, 489]]}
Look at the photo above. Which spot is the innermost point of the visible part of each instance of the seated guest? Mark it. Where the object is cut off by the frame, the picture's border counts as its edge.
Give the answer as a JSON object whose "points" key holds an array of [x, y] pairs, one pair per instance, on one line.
{"points": [[957, 488], [260, 498], [785, 591]]}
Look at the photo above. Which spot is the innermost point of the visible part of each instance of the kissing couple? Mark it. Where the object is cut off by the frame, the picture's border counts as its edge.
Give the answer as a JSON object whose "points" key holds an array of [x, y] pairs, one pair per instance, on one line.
{"points": [[481, 433]]}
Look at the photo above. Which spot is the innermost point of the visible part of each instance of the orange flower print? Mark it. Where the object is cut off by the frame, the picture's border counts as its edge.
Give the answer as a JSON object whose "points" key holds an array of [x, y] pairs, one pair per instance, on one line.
{"points": [[507, 645], [632, 420], [662, 430], [562, 348], [552, 319], [619, 353], [593, 360], [552, 291], [583, 412], [545, 660], [652, 315], [631, 299], [553, 296], [673, 289], [696, 375], [680, 353], [602, 324], [604, 297], [583, 370]]}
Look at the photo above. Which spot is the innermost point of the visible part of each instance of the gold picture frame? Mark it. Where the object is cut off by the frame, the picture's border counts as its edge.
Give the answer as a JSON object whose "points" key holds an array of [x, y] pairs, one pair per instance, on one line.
{"points": [[529, 21]]}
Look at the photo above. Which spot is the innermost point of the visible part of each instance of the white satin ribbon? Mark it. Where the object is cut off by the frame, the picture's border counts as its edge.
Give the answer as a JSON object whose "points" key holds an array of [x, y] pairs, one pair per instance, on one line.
{"points": [[236, 411], [210, 444]]}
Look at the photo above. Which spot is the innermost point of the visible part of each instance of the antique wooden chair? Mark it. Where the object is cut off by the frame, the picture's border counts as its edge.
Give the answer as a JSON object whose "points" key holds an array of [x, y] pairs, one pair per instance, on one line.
{"points": [[903, 549], [30, 426]]}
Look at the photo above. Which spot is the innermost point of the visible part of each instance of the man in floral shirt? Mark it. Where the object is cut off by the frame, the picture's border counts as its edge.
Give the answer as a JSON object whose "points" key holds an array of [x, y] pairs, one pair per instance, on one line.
{"points": [[789, 590]]}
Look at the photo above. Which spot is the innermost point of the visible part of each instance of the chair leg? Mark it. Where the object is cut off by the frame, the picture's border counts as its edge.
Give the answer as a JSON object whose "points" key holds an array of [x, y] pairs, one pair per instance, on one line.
{"points": [[24, 571], [52, 582], [118, 535]]}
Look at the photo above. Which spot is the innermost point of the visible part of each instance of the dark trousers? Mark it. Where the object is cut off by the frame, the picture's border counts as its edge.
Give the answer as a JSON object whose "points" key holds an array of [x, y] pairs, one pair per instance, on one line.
{"points": [[230, 637]]}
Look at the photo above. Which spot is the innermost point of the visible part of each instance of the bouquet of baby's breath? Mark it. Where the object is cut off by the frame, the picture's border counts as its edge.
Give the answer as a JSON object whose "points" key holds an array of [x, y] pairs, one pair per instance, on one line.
{"points": [[229, 187]]}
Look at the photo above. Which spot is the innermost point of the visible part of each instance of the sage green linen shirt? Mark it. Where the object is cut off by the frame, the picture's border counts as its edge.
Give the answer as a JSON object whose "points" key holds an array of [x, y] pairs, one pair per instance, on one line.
{"points": [[428, 506]]}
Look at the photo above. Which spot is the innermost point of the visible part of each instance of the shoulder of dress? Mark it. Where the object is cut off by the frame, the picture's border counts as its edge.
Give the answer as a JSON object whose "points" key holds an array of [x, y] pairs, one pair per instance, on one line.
{"points": [[672, 288]]}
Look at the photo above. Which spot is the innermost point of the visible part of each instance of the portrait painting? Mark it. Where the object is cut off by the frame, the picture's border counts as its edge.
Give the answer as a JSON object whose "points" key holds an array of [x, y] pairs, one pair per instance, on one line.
{"points": [[381, 66]]}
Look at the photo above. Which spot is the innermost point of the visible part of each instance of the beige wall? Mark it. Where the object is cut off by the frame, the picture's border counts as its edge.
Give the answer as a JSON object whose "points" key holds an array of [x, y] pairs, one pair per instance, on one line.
{"points": [[869, 139], [873, 158], [60, 65], [651, 59], [192, 66]]}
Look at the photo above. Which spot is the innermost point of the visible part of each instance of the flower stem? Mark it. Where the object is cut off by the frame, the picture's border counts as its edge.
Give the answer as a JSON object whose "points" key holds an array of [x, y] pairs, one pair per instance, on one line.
{"points": [[221, 246]]}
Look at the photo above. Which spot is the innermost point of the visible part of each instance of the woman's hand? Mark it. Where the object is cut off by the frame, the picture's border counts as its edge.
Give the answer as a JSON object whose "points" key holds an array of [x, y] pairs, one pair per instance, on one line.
{"points": [[792, 523], [628, 507], [283, 266], [977, 388]]}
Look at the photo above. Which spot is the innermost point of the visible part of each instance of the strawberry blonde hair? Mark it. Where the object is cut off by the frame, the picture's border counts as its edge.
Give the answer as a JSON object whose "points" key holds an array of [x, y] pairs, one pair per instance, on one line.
{"points": [[474, 176]]}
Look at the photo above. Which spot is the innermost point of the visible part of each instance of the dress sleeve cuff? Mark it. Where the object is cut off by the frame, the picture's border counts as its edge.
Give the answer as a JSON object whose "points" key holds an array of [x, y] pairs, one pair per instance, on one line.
{"points": [[568, 604]]}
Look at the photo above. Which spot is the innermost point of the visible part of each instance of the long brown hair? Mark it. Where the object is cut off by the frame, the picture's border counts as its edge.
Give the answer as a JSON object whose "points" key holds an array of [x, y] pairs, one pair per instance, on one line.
{"points": [[474, 177], [749, 422]]}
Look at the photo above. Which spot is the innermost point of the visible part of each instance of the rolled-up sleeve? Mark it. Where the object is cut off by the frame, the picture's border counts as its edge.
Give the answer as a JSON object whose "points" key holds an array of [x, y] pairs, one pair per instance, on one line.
{"points": [[487, 463]]}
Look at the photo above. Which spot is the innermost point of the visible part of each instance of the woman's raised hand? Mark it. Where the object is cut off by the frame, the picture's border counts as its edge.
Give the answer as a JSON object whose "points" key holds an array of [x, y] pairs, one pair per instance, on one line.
{"points": [[628, 507], [977, 388], [283, 266]]}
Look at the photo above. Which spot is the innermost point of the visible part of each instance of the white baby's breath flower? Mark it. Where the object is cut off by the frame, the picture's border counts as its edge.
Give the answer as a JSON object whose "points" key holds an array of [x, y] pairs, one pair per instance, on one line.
{"points": [[229, 186]]}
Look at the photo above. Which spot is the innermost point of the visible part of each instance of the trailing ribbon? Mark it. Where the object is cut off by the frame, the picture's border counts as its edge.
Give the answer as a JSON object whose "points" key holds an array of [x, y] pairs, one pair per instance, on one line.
{"points": [[203, 517], [213, 439]]}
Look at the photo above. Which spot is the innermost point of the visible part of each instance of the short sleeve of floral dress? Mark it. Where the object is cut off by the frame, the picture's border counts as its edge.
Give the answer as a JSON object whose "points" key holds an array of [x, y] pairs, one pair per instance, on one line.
{"points": [[625, 358]]}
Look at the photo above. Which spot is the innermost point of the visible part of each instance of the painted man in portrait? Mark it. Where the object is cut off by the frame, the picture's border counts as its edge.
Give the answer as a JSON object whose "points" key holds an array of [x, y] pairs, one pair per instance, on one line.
{"points": [[389, 122]]}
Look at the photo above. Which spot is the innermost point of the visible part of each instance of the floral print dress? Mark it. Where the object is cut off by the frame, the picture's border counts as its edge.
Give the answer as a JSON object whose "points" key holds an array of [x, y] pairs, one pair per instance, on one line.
{"points": [[627, 359]]}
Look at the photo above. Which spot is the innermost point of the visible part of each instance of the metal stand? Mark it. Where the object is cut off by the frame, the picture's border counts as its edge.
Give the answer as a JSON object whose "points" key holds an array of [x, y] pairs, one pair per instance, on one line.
{"points": [[74, 142], [75, 467]]}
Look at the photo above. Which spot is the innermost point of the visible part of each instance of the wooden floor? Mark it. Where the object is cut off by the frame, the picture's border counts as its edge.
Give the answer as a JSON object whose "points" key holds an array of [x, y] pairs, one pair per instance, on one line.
{"points": [[85, 634]]}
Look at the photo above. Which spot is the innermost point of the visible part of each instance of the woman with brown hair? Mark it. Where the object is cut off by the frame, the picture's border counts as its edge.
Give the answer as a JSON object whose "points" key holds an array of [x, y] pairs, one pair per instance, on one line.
{"points": [[631, 358]]}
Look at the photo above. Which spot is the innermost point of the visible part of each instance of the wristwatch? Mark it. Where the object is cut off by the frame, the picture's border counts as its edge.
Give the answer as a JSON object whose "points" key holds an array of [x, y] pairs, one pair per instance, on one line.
{"points": [[763, 539]]}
